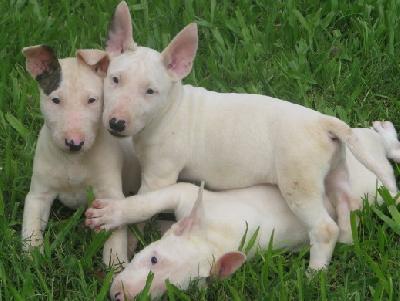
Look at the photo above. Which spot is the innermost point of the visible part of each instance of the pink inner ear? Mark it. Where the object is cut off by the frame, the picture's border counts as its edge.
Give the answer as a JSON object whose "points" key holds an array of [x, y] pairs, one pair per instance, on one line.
{"points": [[38, 62], [120, 32], [229, 263], [180, 63], [180, 53], [183, 225]]}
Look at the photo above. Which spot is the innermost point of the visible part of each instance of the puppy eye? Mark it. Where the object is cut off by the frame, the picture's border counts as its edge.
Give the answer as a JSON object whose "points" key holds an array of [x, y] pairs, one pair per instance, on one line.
{"points": [[150, 91], [153, 260], [115, 79], [91, 100], [56, 100]]}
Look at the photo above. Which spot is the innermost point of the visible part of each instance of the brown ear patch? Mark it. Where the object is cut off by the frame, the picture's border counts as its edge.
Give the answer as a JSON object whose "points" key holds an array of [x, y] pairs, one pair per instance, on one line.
{"points": [[43, 65]]}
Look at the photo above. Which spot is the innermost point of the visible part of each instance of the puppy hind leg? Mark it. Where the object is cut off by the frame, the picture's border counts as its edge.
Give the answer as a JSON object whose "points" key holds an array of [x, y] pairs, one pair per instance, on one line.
{"points": [[306, 202], [339, 192]]}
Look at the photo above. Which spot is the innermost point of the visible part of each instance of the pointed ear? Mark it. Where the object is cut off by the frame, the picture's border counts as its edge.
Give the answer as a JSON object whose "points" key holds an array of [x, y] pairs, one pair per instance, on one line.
{"points": [[120, 31], [97, 60], [227, 264], [195, 220], [43, 65], [179, 55]]}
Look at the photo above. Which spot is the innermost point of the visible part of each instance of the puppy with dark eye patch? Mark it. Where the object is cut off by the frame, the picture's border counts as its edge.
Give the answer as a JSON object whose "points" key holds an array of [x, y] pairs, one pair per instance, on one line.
{"points": [[74, 150]]}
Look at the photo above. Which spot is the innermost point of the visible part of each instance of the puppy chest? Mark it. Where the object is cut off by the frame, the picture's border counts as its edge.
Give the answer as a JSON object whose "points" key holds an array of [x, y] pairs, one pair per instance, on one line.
{"points": [[70, 177]]}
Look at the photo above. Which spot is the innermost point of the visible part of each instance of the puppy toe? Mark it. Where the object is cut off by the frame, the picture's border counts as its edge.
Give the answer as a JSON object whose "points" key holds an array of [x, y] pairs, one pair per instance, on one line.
{"points": [[98, 204], [377, 125], [89, 213], [387, 125]]}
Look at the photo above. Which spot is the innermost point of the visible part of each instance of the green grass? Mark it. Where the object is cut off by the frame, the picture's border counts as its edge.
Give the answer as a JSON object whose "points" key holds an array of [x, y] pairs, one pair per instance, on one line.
{"points": [[339, 57]]}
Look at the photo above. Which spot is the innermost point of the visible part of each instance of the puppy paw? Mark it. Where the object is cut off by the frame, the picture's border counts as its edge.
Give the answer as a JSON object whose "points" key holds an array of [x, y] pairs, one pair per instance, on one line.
{"points": [[385, 128], [104, 215]]}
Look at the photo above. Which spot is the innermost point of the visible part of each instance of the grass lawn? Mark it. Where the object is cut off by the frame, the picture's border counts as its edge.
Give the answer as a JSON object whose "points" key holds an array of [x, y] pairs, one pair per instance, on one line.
{"points": [[339, 57]]}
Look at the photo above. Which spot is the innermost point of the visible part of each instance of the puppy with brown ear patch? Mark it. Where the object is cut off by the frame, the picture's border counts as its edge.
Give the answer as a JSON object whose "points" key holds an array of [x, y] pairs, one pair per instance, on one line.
{"points": [[74, 150]]}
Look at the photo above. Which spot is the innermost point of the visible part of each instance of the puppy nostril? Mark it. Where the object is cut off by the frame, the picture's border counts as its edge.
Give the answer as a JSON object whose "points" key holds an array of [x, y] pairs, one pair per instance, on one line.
{"points": [[74, 147], [117, 125]]}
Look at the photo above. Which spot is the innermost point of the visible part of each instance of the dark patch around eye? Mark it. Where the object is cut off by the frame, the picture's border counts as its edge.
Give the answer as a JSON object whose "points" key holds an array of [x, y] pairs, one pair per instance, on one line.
{"points": [[51, 78]]}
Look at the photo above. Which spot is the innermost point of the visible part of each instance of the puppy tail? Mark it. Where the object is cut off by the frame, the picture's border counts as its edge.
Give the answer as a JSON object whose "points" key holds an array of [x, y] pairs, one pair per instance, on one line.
{"points": [[339, 129]]}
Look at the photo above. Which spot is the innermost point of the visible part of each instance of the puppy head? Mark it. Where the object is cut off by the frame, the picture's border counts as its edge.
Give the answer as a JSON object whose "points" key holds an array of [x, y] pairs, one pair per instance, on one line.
{"points": [[140, 80], [183, 254], [71, 94]]}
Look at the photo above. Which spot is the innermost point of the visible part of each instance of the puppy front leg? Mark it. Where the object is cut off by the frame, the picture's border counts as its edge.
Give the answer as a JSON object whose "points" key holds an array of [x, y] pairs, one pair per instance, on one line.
{"points": [[158, 176], [36, 214], [110, 214], [116, 246]]}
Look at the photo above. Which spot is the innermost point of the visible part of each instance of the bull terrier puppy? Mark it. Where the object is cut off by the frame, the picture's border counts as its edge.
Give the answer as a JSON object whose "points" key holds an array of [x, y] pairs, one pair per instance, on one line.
{"points": [[228, 140], [382, 144], [74, 150], [188, 250]]}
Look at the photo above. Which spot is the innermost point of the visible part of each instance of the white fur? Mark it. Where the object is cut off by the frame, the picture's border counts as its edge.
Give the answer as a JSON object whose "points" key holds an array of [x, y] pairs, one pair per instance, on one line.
{"points": [[230, 140], [58, 173], [185, 257]]}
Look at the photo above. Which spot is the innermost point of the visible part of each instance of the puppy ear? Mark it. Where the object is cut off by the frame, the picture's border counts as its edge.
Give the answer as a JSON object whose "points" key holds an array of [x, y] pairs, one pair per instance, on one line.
{"points": [[120, 31], [179, 55], [43, 65], [195, 220], [227, 264], [96, 59]]}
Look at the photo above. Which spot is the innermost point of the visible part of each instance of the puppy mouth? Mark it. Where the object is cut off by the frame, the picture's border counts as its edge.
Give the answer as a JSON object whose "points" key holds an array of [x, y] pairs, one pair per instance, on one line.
{"points": [[116, 134]]}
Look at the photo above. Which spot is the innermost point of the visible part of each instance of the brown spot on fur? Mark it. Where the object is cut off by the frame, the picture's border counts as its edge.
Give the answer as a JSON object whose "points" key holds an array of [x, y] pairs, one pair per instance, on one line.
{"points": [[50, 79]]}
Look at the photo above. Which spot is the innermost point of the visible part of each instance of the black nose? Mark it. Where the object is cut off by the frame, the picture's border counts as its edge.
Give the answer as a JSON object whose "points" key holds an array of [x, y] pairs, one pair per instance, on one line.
{"points": [[117, 125], [74, 147]]}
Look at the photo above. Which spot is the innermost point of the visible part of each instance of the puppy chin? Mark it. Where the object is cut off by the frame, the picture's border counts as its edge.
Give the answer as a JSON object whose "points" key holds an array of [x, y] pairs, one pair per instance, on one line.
{"points": [[117, 134]]}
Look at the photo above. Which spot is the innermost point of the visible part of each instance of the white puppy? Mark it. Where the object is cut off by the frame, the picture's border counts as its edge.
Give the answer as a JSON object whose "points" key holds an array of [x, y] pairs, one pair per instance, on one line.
{"points": [[74, 150], [188, 250], [228, 140]]}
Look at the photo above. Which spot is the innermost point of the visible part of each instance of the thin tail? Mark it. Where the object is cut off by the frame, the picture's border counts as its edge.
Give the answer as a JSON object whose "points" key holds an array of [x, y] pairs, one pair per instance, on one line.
{"points": [[342, 131]]}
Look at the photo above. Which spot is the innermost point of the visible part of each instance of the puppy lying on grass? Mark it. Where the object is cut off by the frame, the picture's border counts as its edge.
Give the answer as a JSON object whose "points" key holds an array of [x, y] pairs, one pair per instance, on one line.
{"points": [[74, 150], [211, 230]]}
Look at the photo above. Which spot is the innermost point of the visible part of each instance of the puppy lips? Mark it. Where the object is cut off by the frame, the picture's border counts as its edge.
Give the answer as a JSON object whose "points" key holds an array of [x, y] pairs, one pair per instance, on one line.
{"points": [[116, 134]]}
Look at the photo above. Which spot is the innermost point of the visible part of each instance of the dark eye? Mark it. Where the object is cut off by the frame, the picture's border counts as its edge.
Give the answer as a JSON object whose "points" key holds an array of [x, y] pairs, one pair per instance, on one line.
{"points": [[153, 260], [91, 100], [149, 91], [56, 100], [115, 79]]}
